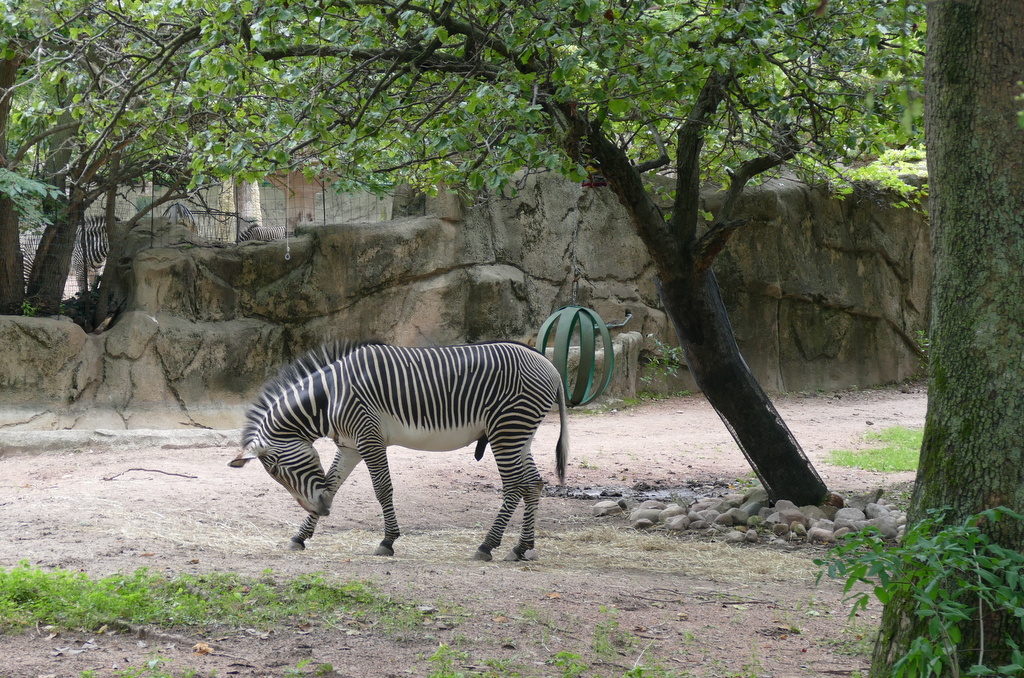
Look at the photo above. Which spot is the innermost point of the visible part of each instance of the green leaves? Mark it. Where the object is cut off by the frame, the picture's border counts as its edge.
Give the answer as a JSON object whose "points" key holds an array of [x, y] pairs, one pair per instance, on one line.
{"points": [[952, 574]]}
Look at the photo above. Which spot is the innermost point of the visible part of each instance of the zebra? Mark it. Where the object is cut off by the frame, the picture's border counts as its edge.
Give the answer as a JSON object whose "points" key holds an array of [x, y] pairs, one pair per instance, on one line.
{"points": [[366, 396], [180, 213], [264, 233], [89, 256]]}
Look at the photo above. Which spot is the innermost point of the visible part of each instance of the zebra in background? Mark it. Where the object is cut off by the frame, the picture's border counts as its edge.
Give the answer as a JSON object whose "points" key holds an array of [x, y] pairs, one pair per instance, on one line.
{"points": [[366, 397], [263, 233], [89, 257], [180, 213]]}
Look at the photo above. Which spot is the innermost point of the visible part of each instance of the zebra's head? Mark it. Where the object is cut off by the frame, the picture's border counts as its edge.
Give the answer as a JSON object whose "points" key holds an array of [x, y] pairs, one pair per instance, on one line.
{"points": [[297, 468]]}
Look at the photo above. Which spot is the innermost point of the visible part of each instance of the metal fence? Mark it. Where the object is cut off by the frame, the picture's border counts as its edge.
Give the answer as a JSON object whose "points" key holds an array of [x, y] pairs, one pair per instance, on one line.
{"points": [[276, 211]]}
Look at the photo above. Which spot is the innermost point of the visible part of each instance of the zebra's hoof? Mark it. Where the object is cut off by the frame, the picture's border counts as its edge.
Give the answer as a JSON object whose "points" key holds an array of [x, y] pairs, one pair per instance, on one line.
{"points": [[514, 555], [296, 545], [482, 555], [384, 551]]}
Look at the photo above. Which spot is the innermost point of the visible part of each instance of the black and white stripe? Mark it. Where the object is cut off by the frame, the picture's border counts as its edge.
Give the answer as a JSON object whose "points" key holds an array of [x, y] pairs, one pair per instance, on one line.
{"points": [[179, 212], [263, 233], [89, 256], [368, 396]]}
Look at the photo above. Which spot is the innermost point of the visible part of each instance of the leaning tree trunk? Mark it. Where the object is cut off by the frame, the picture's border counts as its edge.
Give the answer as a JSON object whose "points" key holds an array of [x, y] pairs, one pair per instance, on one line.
{"points": [[972, 457], [693, 302]]}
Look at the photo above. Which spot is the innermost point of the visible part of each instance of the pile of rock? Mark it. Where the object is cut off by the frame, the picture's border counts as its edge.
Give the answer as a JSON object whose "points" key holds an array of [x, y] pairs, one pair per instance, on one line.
{"points": [[750, 517]]}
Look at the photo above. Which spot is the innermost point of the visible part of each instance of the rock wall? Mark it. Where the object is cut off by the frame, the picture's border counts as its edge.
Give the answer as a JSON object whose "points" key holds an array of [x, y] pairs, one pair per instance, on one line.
{"points": [[823, 294]]}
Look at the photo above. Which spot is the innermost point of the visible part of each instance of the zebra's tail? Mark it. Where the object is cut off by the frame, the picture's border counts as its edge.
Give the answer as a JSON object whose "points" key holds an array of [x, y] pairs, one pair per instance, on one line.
{"points": [[562, 448]]}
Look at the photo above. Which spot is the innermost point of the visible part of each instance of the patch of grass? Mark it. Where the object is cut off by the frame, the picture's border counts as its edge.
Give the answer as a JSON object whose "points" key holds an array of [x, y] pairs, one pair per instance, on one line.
{"points": [[154, 668], [855, 640], [899, 451], [31, 596]]}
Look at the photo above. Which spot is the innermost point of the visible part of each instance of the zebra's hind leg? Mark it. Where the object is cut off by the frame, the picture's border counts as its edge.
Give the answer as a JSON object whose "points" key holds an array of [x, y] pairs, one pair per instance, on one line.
{"points": [[524, 550], [298, 542]]}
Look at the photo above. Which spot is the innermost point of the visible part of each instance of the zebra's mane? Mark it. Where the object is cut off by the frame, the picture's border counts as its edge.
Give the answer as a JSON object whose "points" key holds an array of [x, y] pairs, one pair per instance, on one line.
{"points": [[309, 363]]}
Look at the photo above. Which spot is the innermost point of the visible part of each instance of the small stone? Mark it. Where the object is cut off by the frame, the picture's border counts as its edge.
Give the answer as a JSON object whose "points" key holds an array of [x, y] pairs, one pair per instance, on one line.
{"points": [[734, 536], [755, 494], [706, 503], [861, 501], [873, 511], [780, 529], [679, 522], [849, 514], [654, 504], [841, 532], [751, 536], [671, 511], [817, 534], [723, 519], [824, 524], [724, 505], [887, 526], [739, 516], [650, 514], [788, 516], [752, 507], [699, 524], [642, 524], [783, 504], [813, 513], [834, 501], [606, 508], [709, 515]]}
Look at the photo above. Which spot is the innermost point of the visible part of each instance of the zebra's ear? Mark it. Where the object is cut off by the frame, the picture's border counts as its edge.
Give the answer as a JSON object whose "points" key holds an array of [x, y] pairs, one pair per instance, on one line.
{"points": [[242, 458]]}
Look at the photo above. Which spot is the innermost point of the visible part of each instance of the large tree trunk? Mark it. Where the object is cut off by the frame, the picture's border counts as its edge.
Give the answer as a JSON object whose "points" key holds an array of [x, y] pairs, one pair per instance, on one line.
{"points": [[972, 457], [52, 265], [12, 276]]}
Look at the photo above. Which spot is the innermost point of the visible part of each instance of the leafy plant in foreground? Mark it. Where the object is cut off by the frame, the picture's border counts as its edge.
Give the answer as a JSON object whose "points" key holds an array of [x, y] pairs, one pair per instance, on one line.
{"points": [[953, 574]]}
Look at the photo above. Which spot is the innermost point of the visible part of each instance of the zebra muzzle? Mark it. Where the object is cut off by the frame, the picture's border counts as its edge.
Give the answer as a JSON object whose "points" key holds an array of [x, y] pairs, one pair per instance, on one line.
{"points": [[323, 505]]}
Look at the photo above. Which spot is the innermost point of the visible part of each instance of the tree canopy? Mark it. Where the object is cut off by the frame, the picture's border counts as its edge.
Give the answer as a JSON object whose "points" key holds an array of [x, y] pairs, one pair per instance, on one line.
{"points": [[473, 92]]}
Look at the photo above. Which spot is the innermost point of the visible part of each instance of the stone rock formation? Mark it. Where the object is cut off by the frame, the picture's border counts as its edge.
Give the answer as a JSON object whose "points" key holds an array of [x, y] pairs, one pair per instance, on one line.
{"points": [[822, 293]]}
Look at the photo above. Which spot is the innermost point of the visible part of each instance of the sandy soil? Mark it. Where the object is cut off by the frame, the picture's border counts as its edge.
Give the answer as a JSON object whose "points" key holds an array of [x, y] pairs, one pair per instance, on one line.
{"points": [[692, 607]]}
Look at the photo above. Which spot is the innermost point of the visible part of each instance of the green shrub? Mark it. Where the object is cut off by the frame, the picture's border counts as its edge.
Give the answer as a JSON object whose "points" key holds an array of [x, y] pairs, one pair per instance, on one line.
{"points": [[952, 574]]}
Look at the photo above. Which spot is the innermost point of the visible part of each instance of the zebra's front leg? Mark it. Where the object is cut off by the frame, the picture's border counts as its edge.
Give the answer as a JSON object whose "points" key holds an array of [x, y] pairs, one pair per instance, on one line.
{"points": [[511, 495], [377, 464], [345, 459], [298, 542]]}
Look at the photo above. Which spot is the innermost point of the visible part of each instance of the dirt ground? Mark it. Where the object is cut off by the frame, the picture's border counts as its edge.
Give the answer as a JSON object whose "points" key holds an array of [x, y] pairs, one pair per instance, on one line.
{"points": [[687, 606]]}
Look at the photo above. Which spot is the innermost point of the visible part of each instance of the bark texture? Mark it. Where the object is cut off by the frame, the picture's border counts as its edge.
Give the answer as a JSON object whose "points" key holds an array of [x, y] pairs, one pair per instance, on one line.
{"points": [[973, 452], [12, 281]]}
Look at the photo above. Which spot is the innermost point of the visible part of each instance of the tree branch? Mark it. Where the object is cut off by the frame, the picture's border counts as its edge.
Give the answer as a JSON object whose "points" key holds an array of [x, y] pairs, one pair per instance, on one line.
{"points": [[707, 247], [690, 141]]}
